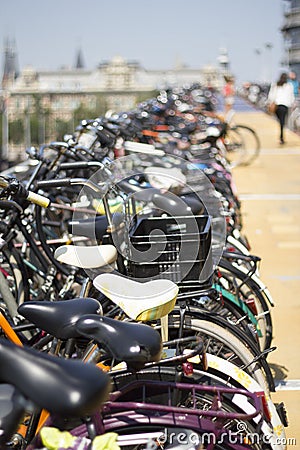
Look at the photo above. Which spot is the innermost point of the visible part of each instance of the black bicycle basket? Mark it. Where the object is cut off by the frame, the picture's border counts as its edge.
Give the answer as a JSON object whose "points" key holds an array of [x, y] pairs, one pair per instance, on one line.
{"points": [[176, 248]]}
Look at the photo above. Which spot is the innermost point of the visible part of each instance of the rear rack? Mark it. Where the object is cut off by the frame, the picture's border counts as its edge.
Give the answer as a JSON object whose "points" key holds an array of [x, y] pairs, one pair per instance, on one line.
{"points": [[157, 406]]}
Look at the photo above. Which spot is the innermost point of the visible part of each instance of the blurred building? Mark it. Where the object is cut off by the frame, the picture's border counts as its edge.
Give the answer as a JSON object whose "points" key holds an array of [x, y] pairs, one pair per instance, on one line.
{"points": [[291, 35], [10, 69], [224, 62], [55, 96]]}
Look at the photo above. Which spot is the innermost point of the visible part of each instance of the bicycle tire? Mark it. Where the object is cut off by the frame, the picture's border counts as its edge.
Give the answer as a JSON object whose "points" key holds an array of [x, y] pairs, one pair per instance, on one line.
{"points": [[14, 286], [294, 120], [229, 308], [218, 339], [263, 310], [243, 145], [7, 296]]}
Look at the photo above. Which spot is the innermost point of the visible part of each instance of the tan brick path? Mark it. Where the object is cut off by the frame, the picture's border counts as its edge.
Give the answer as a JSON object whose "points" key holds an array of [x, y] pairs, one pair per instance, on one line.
{"points": [[270, 193]]}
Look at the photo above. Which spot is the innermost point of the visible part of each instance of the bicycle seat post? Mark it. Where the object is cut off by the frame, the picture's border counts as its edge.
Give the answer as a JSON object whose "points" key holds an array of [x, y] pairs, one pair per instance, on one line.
{"points": [[85, 288]]}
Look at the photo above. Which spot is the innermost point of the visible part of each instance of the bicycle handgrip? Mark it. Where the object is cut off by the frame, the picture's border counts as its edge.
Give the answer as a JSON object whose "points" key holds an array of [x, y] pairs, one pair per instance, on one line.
{"points": [[129, 188], [63, 182], [38, 199], [105, 139], [57, 145]]}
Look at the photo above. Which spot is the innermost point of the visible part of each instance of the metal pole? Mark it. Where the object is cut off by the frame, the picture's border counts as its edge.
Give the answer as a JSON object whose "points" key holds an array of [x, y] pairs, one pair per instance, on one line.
{"points": [[27, 125], [5, 131]]}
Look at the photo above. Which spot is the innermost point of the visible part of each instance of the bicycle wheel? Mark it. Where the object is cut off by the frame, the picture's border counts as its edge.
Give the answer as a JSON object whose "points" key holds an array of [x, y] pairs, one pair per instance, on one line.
{"points": [[294, 120], [242, 144], [14, 287], [231, 308], [242, 285], [224, 343]]}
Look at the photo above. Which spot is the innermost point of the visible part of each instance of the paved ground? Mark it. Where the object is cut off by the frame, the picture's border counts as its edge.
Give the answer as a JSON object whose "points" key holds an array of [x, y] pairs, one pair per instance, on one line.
{"points": [[270, 193]]}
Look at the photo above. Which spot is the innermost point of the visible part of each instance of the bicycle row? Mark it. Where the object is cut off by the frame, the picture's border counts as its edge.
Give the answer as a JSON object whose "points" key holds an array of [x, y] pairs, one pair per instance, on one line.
{"points": [[122, 247]]}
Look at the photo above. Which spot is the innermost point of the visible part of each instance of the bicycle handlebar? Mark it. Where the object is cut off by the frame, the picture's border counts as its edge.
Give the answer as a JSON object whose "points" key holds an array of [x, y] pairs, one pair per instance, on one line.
{"points": [[62, 148], [235, 255], [10, 204], [57, 145], [80, 165], [14, 187], [65, 182]]}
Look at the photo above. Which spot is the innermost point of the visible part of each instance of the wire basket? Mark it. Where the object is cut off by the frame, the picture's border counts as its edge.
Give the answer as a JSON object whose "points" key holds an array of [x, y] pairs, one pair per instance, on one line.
{"points": [[177, 248]]}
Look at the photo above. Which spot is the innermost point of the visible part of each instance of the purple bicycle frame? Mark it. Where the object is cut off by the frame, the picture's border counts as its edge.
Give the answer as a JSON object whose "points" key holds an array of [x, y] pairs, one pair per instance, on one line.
{"points": [[117, 414]]}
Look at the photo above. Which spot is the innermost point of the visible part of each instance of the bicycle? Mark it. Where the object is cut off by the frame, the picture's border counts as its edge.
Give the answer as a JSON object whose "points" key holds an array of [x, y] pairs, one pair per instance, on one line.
{"points": [[69, 182], [152, 398], [25, 269], [70, 151], [239, 143], [294, 117], [242, 145]]}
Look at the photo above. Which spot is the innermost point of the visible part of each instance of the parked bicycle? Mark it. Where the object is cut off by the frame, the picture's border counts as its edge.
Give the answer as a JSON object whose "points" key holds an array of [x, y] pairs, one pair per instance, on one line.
{"points": [[126, 237]]}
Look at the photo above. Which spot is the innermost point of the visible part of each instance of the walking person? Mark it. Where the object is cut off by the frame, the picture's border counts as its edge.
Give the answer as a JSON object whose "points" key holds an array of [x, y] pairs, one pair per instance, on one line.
{"points": [[281, 94], [228, 93], [294, 82]]}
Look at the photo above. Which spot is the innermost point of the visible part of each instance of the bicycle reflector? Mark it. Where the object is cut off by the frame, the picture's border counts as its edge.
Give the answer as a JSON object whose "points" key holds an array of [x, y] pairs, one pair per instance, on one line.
{"points": [[265, 406]]}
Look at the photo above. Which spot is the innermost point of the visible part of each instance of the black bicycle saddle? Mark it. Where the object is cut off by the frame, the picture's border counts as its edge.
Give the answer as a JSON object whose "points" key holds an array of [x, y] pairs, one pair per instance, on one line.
{"points": [[66, 387], [58, 318], [134, 343]]}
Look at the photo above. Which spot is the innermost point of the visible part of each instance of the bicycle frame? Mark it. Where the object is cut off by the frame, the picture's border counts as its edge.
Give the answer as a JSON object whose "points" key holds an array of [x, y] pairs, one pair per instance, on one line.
{"points": [[8, 330]]}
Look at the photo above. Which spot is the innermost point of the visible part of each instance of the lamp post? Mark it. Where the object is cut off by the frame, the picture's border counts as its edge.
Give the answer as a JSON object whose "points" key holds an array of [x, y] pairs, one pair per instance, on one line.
{"points": [[5, 131], [268, 47], [257, 51], [27, 123]]}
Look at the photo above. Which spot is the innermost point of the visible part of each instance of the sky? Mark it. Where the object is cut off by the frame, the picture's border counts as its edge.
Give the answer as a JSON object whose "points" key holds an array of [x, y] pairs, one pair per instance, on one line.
{"points": [[156, 33]]}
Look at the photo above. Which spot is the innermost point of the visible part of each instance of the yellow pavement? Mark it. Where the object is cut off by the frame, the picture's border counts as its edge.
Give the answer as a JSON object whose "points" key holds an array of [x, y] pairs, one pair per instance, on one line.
{"points": [[269, 190]]}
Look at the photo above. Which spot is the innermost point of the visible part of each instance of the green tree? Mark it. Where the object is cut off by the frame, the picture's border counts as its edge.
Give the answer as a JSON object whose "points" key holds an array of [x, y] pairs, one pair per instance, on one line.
{"points": [[62, 127], [1, 119], [16, 131], [144, 96], [85, 112], [34, 128]]}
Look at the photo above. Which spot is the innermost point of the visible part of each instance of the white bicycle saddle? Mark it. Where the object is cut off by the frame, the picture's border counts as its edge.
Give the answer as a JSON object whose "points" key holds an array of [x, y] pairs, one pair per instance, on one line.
{"points": [[140, 301], [89, 257]]}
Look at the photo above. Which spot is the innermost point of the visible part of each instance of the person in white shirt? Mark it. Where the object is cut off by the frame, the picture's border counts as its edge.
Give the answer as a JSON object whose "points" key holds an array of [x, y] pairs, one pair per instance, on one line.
{"points": [[282, 94]]}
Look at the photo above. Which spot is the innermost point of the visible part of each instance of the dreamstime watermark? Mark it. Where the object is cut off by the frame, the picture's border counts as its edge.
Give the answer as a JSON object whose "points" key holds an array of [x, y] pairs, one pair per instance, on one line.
{"points": [[192, 440]]}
